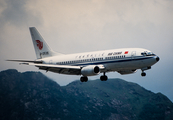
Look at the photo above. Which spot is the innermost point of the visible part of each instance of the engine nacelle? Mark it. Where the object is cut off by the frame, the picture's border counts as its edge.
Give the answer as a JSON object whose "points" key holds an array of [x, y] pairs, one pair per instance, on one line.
{"points": [[90, 70]]}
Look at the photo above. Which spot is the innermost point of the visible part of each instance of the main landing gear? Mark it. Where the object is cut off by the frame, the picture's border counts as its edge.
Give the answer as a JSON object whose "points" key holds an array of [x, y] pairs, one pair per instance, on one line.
{"points": [[84, 79], [102, 78]]}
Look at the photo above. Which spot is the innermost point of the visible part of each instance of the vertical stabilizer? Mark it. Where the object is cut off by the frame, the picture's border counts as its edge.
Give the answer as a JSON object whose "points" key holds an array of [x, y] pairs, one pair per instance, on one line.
{"points": [[42, 49]]}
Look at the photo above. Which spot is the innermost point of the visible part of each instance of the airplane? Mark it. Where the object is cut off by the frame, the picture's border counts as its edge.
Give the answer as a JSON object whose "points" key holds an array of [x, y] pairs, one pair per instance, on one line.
{"points": [[123, 61]]}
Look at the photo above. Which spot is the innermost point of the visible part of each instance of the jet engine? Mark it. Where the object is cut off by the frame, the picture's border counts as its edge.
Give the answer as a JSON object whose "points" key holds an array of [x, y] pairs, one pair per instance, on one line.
{"points": [[90, 70]]}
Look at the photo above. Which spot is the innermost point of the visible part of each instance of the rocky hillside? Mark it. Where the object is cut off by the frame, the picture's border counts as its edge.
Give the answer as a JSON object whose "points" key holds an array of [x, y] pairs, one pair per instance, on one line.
{"points": [[33, 96]]}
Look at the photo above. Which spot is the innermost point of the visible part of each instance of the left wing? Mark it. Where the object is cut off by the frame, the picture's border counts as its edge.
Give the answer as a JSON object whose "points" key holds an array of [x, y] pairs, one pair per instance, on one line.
{"points": [[62, 69], [27, 61]]}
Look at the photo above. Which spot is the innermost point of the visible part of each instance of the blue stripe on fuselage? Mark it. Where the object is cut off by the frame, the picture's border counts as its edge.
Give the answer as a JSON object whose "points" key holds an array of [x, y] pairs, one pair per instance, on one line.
{"points": [[111, 61]]}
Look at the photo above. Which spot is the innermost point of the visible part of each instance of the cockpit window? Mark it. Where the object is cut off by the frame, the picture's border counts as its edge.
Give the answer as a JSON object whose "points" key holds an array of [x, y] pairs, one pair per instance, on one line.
{"points": [[143, 53], [150, 54], [147, 54]]}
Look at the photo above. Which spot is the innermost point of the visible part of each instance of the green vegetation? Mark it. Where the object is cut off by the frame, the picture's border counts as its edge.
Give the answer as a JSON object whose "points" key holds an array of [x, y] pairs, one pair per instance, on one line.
{"points": [[31, 95]]}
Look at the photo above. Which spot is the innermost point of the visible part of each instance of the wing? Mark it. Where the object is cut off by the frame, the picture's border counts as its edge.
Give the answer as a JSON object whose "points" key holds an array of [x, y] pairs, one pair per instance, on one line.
{"points": [[61, 69], [27, 61]]}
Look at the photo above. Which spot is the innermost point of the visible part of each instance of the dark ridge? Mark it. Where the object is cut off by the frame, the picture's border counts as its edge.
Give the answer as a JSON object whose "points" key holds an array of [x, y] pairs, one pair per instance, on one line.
{"points": [[31, 95]]}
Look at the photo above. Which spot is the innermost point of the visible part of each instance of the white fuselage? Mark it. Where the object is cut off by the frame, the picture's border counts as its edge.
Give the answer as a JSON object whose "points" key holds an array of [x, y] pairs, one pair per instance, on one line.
{"points": [[112, 60]]}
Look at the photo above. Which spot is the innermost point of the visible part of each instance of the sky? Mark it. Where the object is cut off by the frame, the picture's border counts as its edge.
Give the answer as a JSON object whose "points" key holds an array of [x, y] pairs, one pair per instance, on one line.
{"points": [[73, 26]]}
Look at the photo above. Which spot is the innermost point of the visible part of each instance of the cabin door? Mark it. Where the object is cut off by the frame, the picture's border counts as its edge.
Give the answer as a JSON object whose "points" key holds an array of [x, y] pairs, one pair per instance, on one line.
{"points": [[133, 54]]}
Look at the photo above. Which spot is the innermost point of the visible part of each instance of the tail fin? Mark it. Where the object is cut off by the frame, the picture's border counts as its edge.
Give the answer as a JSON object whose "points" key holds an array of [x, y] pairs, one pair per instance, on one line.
{"points": [[42, 49]]}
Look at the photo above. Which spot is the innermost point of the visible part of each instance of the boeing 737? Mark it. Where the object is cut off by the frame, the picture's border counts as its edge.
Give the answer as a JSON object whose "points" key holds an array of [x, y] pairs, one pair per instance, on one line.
{"points": [[124, 61]]}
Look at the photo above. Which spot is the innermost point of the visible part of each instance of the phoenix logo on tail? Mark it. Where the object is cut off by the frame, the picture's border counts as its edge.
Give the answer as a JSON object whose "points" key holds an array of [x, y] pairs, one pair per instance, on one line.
{"points": [[39, 44]]}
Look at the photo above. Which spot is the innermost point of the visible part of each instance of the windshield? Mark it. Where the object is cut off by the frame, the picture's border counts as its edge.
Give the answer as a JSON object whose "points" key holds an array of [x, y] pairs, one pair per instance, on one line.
{"points": [[147, 54]]}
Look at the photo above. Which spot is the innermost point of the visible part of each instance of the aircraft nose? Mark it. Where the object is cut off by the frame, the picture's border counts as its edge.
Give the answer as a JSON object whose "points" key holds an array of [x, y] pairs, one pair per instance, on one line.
{"points": [[157, 58]]}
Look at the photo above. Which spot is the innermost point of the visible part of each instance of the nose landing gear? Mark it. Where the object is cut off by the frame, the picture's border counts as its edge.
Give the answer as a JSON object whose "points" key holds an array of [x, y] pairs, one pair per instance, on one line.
{"points": [[143, 74], [143, 69]]}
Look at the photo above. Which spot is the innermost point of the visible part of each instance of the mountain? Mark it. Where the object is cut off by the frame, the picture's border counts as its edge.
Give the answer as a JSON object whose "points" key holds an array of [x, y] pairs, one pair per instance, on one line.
{"points": [[33, 96]]}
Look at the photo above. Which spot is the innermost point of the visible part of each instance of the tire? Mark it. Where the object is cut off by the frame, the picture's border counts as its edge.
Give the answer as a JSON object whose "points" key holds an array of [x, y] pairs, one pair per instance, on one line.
{"points": [[143, 74], [84, 79], [103, 78]]}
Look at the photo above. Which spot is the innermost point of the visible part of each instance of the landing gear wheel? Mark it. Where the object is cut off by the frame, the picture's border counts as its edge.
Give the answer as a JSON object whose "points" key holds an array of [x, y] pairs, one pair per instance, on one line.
{"points": [[103, 78], [143, 74], [84, 79]]}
